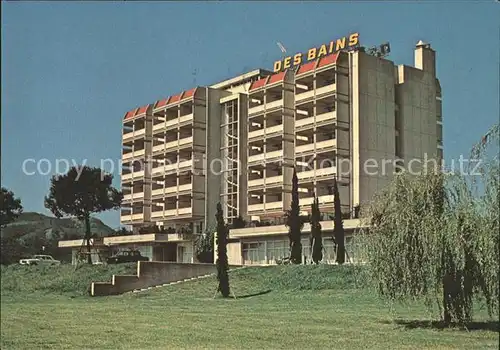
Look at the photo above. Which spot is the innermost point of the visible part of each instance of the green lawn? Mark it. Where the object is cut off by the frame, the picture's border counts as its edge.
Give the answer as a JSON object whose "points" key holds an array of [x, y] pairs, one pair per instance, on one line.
{"points": [[277, 307]]}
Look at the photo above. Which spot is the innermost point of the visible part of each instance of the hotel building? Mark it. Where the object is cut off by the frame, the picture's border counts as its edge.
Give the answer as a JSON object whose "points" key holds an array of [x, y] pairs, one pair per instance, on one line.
{"points": [[348, 115]]}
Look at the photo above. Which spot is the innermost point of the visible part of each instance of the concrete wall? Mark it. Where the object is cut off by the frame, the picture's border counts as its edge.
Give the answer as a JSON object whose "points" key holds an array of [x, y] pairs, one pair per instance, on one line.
{"points": [[151, 274], [373, 125]]}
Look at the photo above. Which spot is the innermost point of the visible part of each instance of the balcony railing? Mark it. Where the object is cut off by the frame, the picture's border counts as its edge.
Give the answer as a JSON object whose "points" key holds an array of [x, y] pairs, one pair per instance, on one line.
{"points": [[270, 131], [132, 196], [133, 175], [304, 96], [131, 155], [317, 173], [172, 189], [321, 118], [139, 216], [268, 181], [274, 104], [126, 218], [131, 217], [172, 145], [172, 122], [326, 90], [320, 146], [265, 206], [171, 213], [256, 110], [265, 156], [320, 92], [169, 168], [305, 202], [136, 133]]}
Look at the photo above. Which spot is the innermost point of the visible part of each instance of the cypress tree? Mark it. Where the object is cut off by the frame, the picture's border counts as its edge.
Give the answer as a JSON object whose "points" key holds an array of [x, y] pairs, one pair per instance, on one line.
{"points": [[316, 239], [338, 225], [222, 262], [295, 223]]}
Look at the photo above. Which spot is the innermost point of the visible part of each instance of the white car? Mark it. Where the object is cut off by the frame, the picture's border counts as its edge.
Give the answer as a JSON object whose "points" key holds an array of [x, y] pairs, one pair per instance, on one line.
{"points": [[40, 260]]}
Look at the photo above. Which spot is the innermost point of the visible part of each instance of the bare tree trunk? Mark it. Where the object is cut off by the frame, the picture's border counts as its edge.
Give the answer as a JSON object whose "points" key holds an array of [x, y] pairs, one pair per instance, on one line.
{"points": [[87, 238]]}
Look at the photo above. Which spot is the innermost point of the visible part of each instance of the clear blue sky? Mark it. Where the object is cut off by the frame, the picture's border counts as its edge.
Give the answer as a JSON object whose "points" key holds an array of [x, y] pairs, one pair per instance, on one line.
{"points": [[71, 70]]}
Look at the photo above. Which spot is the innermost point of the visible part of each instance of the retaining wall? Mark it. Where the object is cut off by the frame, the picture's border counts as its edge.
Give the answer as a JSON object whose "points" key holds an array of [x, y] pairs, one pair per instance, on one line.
{"points": [[149, 274]]}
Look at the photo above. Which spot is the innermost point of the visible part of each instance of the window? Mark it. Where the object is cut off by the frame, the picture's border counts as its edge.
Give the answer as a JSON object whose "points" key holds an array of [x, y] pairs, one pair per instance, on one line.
{"points": [[328, 251], [253, 253], [277, 250]]}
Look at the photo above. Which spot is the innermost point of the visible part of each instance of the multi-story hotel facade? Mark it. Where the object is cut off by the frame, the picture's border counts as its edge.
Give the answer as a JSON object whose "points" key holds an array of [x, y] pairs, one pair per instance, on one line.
{"points": [[347, 115]]}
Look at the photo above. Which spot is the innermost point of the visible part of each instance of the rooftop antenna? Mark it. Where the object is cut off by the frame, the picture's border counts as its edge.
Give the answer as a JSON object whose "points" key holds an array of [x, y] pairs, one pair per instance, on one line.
{"points": [[283, 50], [281, 47], [379, 51]]}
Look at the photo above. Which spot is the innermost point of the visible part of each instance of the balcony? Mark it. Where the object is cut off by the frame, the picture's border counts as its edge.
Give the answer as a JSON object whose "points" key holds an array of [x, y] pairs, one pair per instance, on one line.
{"points": [[133, 134], [274, 206], [304, 96], [136, 217], [127, 155], [171, 213], [320, 92], [326, 90], [317, 173], [274, 105], [306, 202], [133, 175], [139, 153], [256, 110], [131, 217], [136, 154], [350, 224], [172, 189], [132, 196], [126, 218], [321, 146], [322, 119], [273, 130], [173, 123], [186, 141], [173, 144], [268, 181], [170, 168], [265, 156]]}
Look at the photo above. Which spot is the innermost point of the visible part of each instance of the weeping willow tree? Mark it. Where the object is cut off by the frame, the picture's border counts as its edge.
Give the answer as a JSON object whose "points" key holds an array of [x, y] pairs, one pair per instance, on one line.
{"points": [[435, 237]]}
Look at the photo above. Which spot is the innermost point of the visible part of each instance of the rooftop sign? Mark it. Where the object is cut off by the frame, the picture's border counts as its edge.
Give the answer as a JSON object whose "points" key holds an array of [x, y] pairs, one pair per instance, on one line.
{"points": [[346, 42]]}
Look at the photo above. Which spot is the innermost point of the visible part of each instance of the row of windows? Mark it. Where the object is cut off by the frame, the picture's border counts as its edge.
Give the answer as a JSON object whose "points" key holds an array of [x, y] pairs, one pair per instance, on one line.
{"points": [[267, 252]]}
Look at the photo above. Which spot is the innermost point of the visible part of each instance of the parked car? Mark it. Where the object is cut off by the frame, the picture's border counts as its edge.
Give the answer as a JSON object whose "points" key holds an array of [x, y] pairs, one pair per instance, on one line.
{"points": [[40, 260], [126, 256]]}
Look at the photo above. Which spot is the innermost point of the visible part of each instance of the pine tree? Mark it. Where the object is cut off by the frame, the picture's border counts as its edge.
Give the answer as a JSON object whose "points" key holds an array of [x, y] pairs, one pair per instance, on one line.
{"points": [[338, 225], [295, 223], [316, 239], [80, 192], [222, 262]]}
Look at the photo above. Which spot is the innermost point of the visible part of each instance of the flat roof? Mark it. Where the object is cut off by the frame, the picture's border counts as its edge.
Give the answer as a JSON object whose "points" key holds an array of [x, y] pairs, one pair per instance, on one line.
{"points": [[240, 78], [131, 239], [260, 231]]}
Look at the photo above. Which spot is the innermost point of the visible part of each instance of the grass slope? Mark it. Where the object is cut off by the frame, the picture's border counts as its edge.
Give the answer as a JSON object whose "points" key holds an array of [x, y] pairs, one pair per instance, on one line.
{"points": [[278, 307], [64, 280]]}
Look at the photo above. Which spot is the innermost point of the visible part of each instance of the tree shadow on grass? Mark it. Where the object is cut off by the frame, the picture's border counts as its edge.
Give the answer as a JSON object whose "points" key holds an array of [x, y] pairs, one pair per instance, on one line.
{"points": [[492, 326], [253, 294]]}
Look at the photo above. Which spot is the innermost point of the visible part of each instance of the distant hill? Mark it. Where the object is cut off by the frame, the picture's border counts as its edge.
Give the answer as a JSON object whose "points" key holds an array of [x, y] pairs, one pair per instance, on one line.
{"points": [[29, 226]]}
